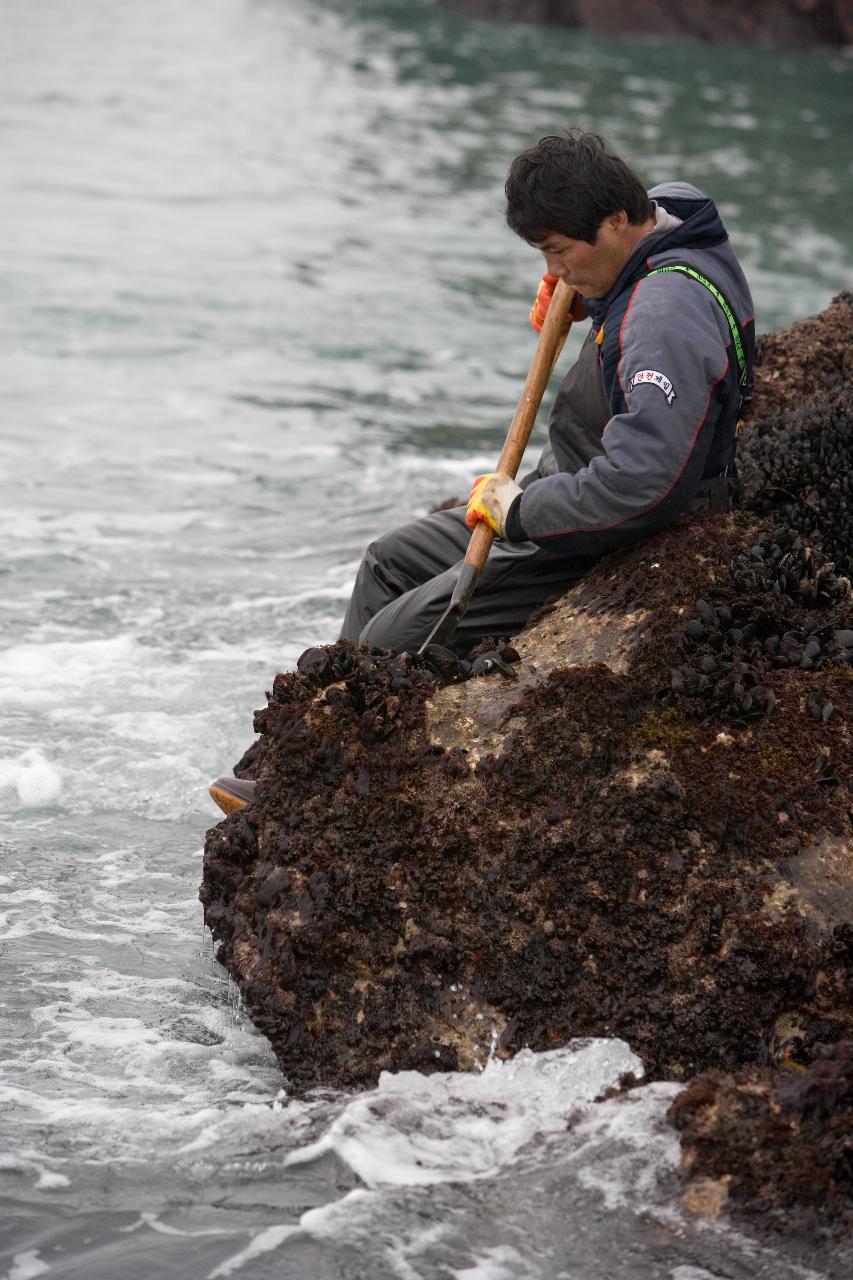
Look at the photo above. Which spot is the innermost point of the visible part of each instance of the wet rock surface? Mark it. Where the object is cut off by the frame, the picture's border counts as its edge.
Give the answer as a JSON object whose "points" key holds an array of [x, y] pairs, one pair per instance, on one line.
{"points": [[767, 23], [643, 832], [776, 1146]]}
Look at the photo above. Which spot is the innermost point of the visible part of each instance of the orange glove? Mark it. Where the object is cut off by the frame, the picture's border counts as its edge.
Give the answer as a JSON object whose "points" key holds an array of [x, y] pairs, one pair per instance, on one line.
{"points": [[542, 302], [492, 495]]}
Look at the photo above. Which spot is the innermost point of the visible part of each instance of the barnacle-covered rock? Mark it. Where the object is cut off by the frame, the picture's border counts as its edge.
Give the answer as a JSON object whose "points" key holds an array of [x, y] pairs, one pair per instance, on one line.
{"points": [[643, 831]]}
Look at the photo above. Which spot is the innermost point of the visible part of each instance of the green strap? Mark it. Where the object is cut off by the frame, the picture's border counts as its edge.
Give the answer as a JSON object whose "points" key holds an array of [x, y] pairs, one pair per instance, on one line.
{"points": [[727, 311]]}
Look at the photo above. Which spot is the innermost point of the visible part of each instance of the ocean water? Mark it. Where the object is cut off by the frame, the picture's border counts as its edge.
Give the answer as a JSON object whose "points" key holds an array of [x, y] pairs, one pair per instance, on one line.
{"points": [[257, 304]]}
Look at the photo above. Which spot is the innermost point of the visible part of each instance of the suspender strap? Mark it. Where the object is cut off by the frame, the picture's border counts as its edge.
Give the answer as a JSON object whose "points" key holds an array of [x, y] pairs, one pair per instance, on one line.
{"points": [[737, 337]]}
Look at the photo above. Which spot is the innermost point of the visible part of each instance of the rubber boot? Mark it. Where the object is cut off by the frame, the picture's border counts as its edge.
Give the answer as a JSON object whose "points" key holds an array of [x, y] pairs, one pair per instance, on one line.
{"points": [[232, 794]]}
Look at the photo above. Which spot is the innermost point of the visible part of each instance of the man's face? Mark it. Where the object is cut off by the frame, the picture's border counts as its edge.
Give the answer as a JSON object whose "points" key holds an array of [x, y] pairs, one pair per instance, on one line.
{"points": [[592, 269]]}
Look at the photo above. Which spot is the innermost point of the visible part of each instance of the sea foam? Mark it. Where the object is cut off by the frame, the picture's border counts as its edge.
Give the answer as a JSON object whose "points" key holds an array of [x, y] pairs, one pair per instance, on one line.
{"points": [[413, 1130], [37, 782]]}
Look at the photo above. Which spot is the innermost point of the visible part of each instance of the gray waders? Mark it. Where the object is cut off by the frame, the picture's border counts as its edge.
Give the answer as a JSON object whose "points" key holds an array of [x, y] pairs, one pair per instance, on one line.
{"points": [[407, 577]]}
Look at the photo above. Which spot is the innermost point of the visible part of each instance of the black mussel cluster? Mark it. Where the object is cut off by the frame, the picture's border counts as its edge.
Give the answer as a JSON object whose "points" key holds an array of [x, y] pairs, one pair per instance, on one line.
{"points": [[382, 689], [486, 658], [798, 464], [442, 664], [782, 563], [376, 685], [324, 665], [343, 664], [769, 618]]}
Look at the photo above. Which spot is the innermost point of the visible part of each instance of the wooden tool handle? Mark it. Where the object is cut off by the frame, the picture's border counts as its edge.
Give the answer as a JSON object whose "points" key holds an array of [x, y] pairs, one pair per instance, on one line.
{"points": [[548, 348]]}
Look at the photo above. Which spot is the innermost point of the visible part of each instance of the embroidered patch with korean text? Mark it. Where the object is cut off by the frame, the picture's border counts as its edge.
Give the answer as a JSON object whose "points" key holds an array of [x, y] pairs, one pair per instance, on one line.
{"points": [[657, 380]]}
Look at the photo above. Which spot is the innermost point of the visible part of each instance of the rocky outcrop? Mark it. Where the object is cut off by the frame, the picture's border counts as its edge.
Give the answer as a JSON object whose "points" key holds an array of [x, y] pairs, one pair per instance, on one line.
{"points": [[646, 833], [776, 1146], [766, 23]]}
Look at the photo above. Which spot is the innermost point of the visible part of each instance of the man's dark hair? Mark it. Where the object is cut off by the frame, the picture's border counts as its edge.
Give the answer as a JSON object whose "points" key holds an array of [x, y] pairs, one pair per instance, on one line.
{"points": [[570, 184]]}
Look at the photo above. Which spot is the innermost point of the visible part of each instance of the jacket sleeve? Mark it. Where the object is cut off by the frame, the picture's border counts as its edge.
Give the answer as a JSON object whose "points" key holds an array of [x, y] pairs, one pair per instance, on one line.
{"points": [[672, 358]]}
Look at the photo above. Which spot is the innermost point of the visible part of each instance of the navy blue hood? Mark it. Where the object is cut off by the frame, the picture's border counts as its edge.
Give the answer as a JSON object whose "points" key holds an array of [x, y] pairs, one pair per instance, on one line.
{"points": [[701, 228]]}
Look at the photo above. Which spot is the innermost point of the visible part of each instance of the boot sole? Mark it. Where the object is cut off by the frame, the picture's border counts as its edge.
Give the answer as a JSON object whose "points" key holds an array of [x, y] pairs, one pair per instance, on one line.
{"points": [[227, 802]]}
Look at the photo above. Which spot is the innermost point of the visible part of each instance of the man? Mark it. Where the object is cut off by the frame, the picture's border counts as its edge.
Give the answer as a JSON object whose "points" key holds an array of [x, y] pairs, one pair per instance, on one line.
{"points": [[643, 428]]}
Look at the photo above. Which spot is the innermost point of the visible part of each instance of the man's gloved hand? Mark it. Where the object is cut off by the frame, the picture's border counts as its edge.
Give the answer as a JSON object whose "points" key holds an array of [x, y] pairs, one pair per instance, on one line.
{"points": [[542, 302], [492, 495]]}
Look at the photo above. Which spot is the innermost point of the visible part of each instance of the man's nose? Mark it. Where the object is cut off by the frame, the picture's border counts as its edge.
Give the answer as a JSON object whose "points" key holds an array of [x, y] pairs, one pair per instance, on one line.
{"points": [[554, 266]]}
